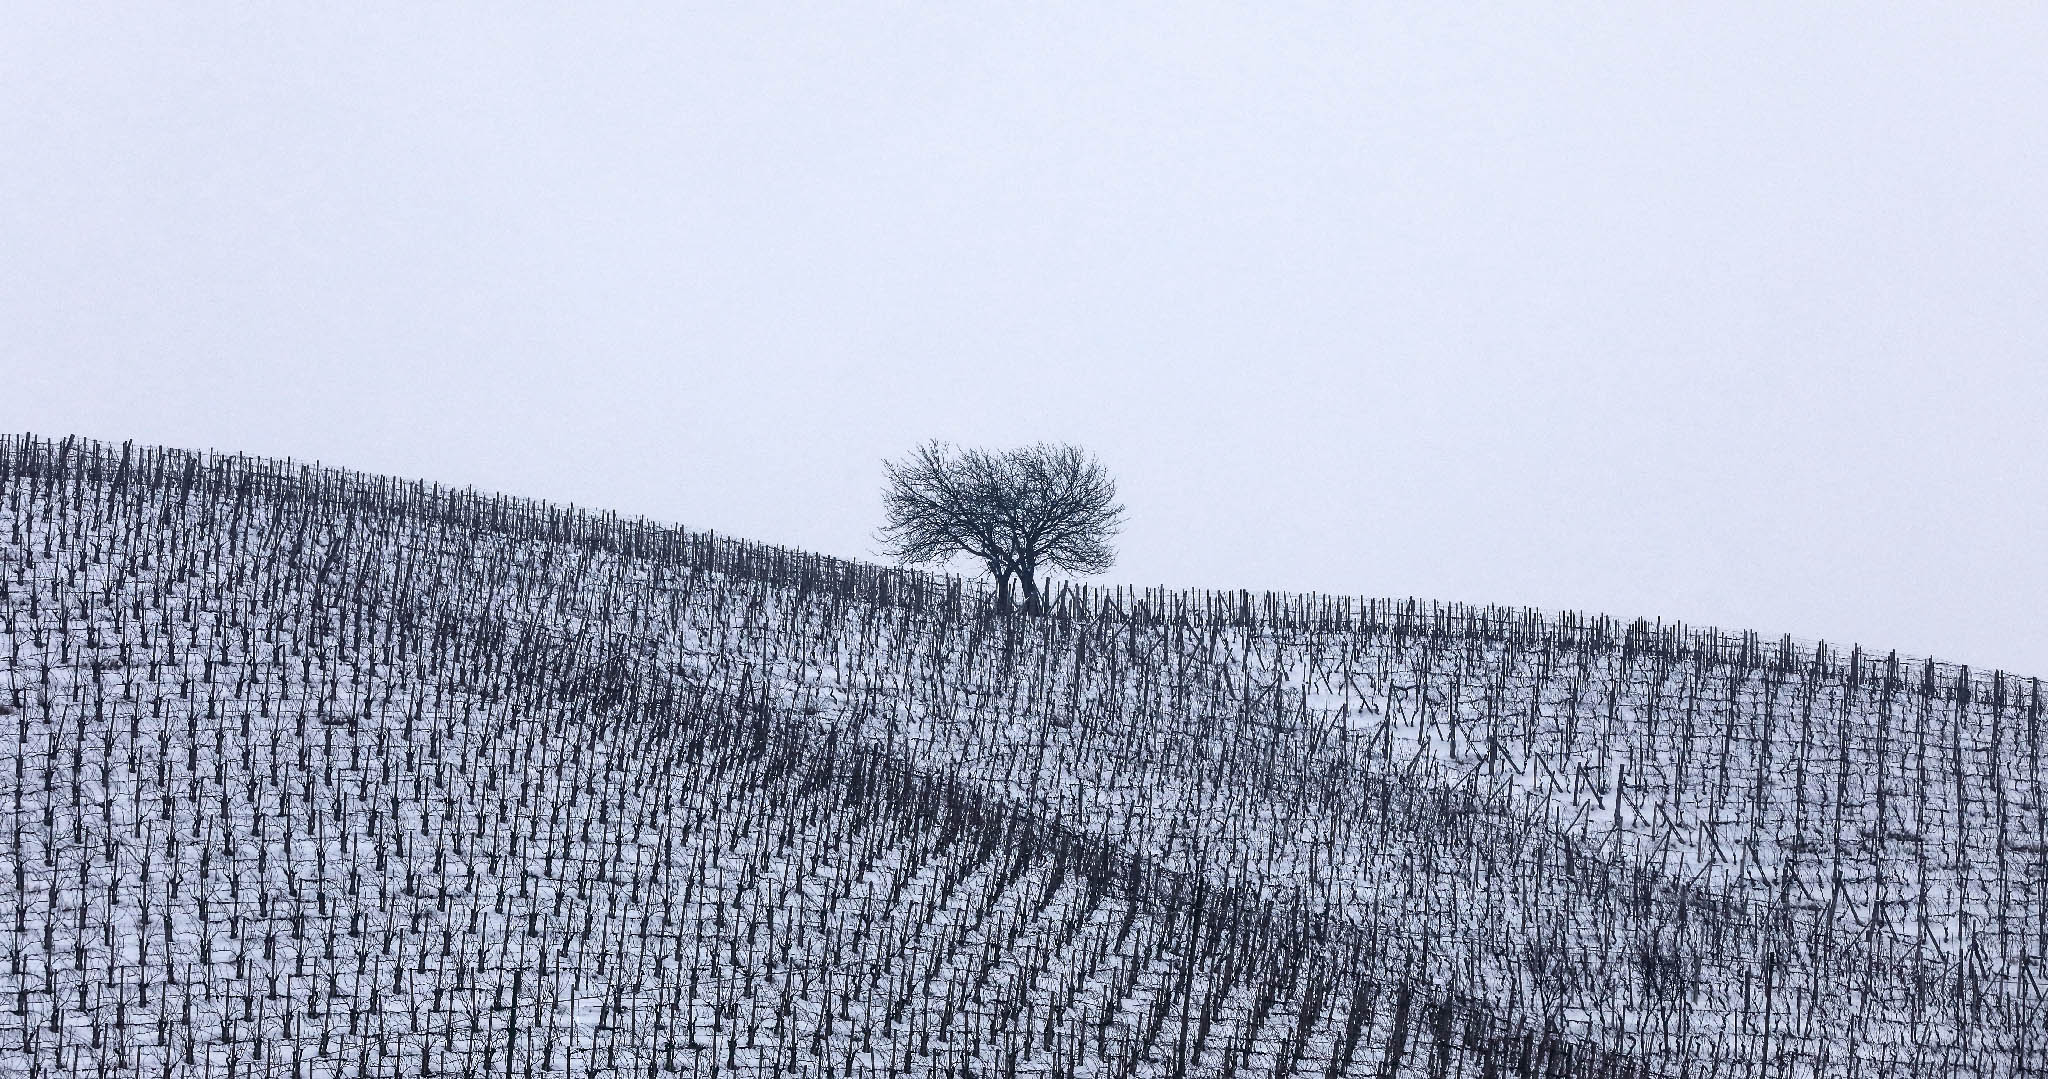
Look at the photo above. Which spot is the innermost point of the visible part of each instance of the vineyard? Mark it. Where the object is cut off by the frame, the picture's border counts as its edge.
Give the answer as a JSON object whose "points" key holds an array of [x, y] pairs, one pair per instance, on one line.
{"points": [[314, 773]]}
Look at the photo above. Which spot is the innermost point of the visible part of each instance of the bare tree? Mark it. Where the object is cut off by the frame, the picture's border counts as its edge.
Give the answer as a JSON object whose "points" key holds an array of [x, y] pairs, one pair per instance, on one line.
{"points": [[1016, 512]]}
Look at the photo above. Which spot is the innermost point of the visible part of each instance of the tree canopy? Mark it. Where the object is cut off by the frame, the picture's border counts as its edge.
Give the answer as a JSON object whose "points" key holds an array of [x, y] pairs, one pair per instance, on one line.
{"points": [[1017, 512]]}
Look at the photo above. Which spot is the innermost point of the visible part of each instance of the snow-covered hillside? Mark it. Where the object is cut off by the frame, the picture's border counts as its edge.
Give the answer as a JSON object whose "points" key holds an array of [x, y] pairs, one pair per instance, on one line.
{"points": [[315, 773]]}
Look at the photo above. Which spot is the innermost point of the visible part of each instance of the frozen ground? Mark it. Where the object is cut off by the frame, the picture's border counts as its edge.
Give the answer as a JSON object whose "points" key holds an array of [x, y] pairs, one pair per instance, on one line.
{"points": [[321, 774]]}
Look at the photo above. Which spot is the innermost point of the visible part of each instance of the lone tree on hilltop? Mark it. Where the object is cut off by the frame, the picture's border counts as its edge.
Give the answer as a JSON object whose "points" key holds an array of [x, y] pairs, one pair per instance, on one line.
{"points": [[1016, 512]]}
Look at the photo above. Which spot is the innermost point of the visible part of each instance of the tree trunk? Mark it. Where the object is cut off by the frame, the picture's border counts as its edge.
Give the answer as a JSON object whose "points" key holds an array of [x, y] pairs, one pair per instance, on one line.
{"points": [[1002, 579], [1032, 603]]}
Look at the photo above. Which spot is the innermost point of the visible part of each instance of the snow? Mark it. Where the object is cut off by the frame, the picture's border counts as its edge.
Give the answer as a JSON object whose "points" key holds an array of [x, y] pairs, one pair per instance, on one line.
{"points": [[299, 782]]}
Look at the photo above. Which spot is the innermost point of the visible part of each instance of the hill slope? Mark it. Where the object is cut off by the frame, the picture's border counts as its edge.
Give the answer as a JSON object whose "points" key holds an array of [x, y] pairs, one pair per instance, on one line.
{"points": [[318, 773]]}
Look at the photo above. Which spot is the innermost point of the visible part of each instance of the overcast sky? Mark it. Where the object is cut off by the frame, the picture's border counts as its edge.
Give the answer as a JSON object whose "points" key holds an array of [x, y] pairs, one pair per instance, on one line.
{"points": [[1736, 318]]}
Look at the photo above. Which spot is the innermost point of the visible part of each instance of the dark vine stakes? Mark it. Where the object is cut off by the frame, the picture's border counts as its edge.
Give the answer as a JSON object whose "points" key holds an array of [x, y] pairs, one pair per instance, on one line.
{"points": [[315, 773]]}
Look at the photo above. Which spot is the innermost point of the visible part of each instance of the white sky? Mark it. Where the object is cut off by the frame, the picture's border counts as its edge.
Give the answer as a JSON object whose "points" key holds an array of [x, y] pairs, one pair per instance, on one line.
{"points": [[1736, 318]]}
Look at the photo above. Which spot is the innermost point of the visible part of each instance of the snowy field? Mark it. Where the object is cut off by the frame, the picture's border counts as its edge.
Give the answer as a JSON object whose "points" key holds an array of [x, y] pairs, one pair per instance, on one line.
{"points": [[313, 773]]}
